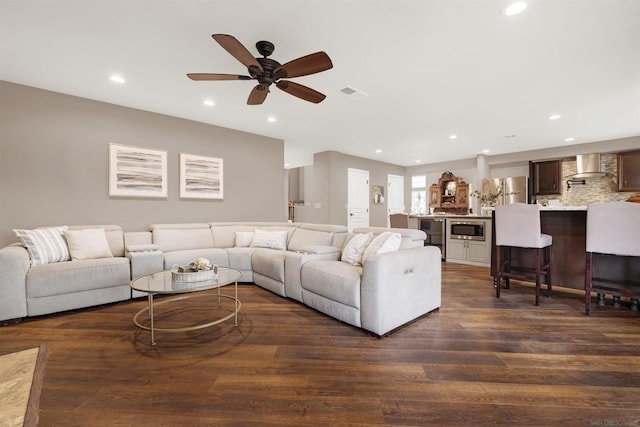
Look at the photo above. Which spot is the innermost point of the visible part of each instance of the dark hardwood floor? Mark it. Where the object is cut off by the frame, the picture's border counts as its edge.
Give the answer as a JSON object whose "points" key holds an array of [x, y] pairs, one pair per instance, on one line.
{"points": [[477, 361]]}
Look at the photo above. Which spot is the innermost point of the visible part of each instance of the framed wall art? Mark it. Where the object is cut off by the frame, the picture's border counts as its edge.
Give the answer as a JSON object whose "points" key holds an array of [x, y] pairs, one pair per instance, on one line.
{"points": [[137, 172], [201, 177], [378, 194]]}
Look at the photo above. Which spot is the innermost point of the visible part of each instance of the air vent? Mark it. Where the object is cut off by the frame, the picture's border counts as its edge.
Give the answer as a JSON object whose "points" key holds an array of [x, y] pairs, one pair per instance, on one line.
{"points": [[354, 93]]}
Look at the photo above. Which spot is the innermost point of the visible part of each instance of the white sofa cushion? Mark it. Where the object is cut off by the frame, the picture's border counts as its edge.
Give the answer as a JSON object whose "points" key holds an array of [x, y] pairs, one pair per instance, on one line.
{"points": [[45, 245], [240, 258], [269, 239], [303, 238], [354, 249], [244, 239], [90, 243], [176, 237], [385, 242], [334, 280], [269, 263], [77, 276]]}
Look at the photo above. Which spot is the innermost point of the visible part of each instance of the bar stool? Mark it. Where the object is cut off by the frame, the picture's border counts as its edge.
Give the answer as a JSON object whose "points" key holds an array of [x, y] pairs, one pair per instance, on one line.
{"points": [[399, 220], [613, 229], [518, 225]]}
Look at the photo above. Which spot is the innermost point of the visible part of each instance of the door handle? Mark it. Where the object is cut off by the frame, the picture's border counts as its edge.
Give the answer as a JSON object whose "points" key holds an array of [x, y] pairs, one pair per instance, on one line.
{"points": [[350, 214]]}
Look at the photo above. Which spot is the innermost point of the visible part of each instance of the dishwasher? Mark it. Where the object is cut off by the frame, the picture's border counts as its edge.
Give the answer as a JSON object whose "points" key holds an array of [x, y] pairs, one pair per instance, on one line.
{"points": [[435, 230]]}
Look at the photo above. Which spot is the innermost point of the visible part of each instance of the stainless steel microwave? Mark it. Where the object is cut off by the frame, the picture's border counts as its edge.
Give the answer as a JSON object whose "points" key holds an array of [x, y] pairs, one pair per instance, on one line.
{"points": [[467, 230]]}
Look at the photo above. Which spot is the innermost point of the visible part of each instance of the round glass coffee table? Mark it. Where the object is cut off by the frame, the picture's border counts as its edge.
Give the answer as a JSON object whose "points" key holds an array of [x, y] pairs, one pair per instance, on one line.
{"points": [[162, 283]]}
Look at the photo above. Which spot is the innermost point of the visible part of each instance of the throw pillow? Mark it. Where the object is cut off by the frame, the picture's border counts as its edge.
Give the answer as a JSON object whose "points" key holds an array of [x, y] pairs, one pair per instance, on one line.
{"points": [[45, 245], [269, 239], [353, 250], [244, 239], [383, 242], [89, 243]]}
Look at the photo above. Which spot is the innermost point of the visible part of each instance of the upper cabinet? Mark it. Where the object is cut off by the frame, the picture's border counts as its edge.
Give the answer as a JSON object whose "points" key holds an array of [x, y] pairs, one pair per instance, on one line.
{"points": [[629, 171], [450, 194], [546, 177]]}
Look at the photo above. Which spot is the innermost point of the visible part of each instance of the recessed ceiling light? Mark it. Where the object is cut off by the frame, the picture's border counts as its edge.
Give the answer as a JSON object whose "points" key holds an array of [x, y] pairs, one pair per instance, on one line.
{"points": [[208, 102], [515, 8], [378, 151], [418, 161], [486, 151], [554, 116], [286, 165], [453, 136], [116, 79], [569, 139], [272, 119]]}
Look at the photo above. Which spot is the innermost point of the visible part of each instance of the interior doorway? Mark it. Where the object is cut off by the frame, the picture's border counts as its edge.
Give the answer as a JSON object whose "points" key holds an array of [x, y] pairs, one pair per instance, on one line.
{"points": [[395, 195], [357, 199]]}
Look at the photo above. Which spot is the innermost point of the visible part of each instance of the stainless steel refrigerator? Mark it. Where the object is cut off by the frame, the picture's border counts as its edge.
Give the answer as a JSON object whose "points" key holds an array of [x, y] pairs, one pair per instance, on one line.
{"points": [[514, 189]]}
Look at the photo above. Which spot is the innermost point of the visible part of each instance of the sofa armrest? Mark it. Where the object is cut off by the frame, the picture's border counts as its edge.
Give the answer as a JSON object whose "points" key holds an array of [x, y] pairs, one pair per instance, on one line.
{"points": [[293, 262], [14, 265], [400, 286]]}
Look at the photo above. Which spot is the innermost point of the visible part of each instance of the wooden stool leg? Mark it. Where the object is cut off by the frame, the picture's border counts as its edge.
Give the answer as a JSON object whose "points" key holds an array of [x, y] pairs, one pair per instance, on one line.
{"points": [[498, 278], [538, 251], [507, 283], [548, 259], [587, 285]]}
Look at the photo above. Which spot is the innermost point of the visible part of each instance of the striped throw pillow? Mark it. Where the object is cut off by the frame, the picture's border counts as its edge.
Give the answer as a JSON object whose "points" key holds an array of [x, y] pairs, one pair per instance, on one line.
{"points": [[45, 245]]}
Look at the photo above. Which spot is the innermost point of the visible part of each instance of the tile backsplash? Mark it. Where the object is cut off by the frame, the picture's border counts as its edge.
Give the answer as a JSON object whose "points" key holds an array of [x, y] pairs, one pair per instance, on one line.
{"points": [[596, 189]]}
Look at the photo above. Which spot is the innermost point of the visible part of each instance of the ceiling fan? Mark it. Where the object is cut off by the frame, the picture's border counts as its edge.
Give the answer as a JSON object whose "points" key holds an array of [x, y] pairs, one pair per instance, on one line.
{"points": [[268, 71]]}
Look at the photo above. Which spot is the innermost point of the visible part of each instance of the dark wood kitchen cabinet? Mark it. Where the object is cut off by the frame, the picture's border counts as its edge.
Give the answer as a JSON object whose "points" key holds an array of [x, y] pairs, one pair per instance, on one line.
{"points": [[546, 177], [629, 171]]}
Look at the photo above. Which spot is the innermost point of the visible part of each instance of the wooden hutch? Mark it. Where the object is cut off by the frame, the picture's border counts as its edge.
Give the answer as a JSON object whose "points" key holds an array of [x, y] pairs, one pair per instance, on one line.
{"points": [[450, 195]]}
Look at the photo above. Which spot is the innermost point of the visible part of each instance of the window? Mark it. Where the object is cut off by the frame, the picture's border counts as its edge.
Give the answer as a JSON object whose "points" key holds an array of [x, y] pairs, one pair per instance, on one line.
{"points": [[418, 194]]}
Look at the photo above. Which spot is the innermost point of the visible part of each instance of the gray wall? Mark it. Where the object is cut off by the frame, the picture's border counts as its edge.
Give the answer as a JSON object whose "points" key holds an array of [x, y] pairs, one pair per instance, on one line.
{"points": [[325, 188], [54, 165]]}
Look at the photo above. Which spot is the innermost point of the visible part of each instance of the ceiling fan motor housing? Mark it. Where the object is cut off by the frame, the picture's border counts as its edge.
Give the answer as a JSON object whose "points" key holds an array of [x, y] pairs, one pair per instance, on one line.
{"points": [[268, 66]]}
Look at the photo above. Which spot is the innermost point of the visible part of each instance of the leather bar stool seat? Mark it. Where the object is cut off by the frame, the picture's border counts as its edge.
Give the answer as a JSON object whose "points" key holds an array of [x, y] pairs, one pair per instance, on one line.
{"points": [[518, 226], [613, 231]]}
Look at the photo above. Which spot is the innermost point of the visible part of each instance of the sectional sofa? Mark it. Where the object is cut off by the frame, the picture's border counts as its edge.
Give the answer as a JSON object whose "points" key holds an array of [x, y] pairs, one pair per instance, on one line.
{"points": [[377, 279]]}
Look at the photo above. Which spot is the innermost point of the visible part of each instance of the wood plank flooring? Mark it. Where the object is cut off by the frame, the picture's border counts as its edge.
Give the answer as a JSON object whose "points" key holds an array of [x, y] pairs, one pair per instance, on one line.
{"points": [[477, 361]]}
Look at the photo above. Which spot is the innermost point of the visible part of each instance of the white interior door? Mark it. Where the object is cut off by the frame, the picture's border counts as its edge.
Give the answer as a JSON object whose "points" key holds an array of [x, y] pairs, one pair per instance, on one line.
{"points": [[357, 199], [395, 195]]}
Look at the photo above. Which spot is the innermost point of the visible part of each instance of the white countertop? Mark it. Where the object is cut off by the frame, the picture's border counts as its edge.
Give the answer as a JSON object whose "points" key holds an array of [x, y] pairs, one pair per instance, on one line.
{"points": [[563, 208]]}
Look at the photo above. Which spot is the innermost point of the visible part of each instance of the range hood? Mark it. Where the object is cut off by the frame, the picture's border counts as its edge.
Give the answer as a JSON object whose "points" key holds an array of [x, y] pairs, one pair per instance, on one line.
{"points": [[588, 166]]}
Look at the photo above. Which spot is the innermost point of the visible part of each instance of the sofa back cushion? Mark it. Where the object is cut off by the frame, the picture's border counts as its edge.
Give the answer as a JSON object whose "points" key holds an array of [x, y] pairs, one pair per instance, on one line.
{"points": [[224, 234], [303, 238], [176, 237]]}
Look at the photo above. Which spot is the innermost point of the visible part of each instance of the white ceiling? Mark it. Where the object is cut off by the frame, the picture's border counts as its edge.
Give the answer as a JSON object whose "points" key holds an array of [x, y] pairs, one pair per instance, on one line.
{"points": [[430, 68]]}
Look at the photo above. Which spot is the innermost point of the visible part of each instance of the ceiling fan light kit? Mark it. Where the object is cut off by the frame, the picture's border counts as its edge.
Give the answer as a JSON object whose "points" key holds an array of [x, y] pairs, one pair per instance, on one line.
{"points": [[268, 71]]}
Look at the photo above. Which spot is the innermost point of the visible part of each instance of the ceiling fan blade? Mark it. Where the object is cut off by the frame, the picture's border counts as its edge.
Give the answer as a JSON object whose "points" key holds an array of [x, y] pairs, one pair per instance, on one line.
{"points": [[237, 50], [301, 91], [258, 95], [305, 65], [211, 76]]}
